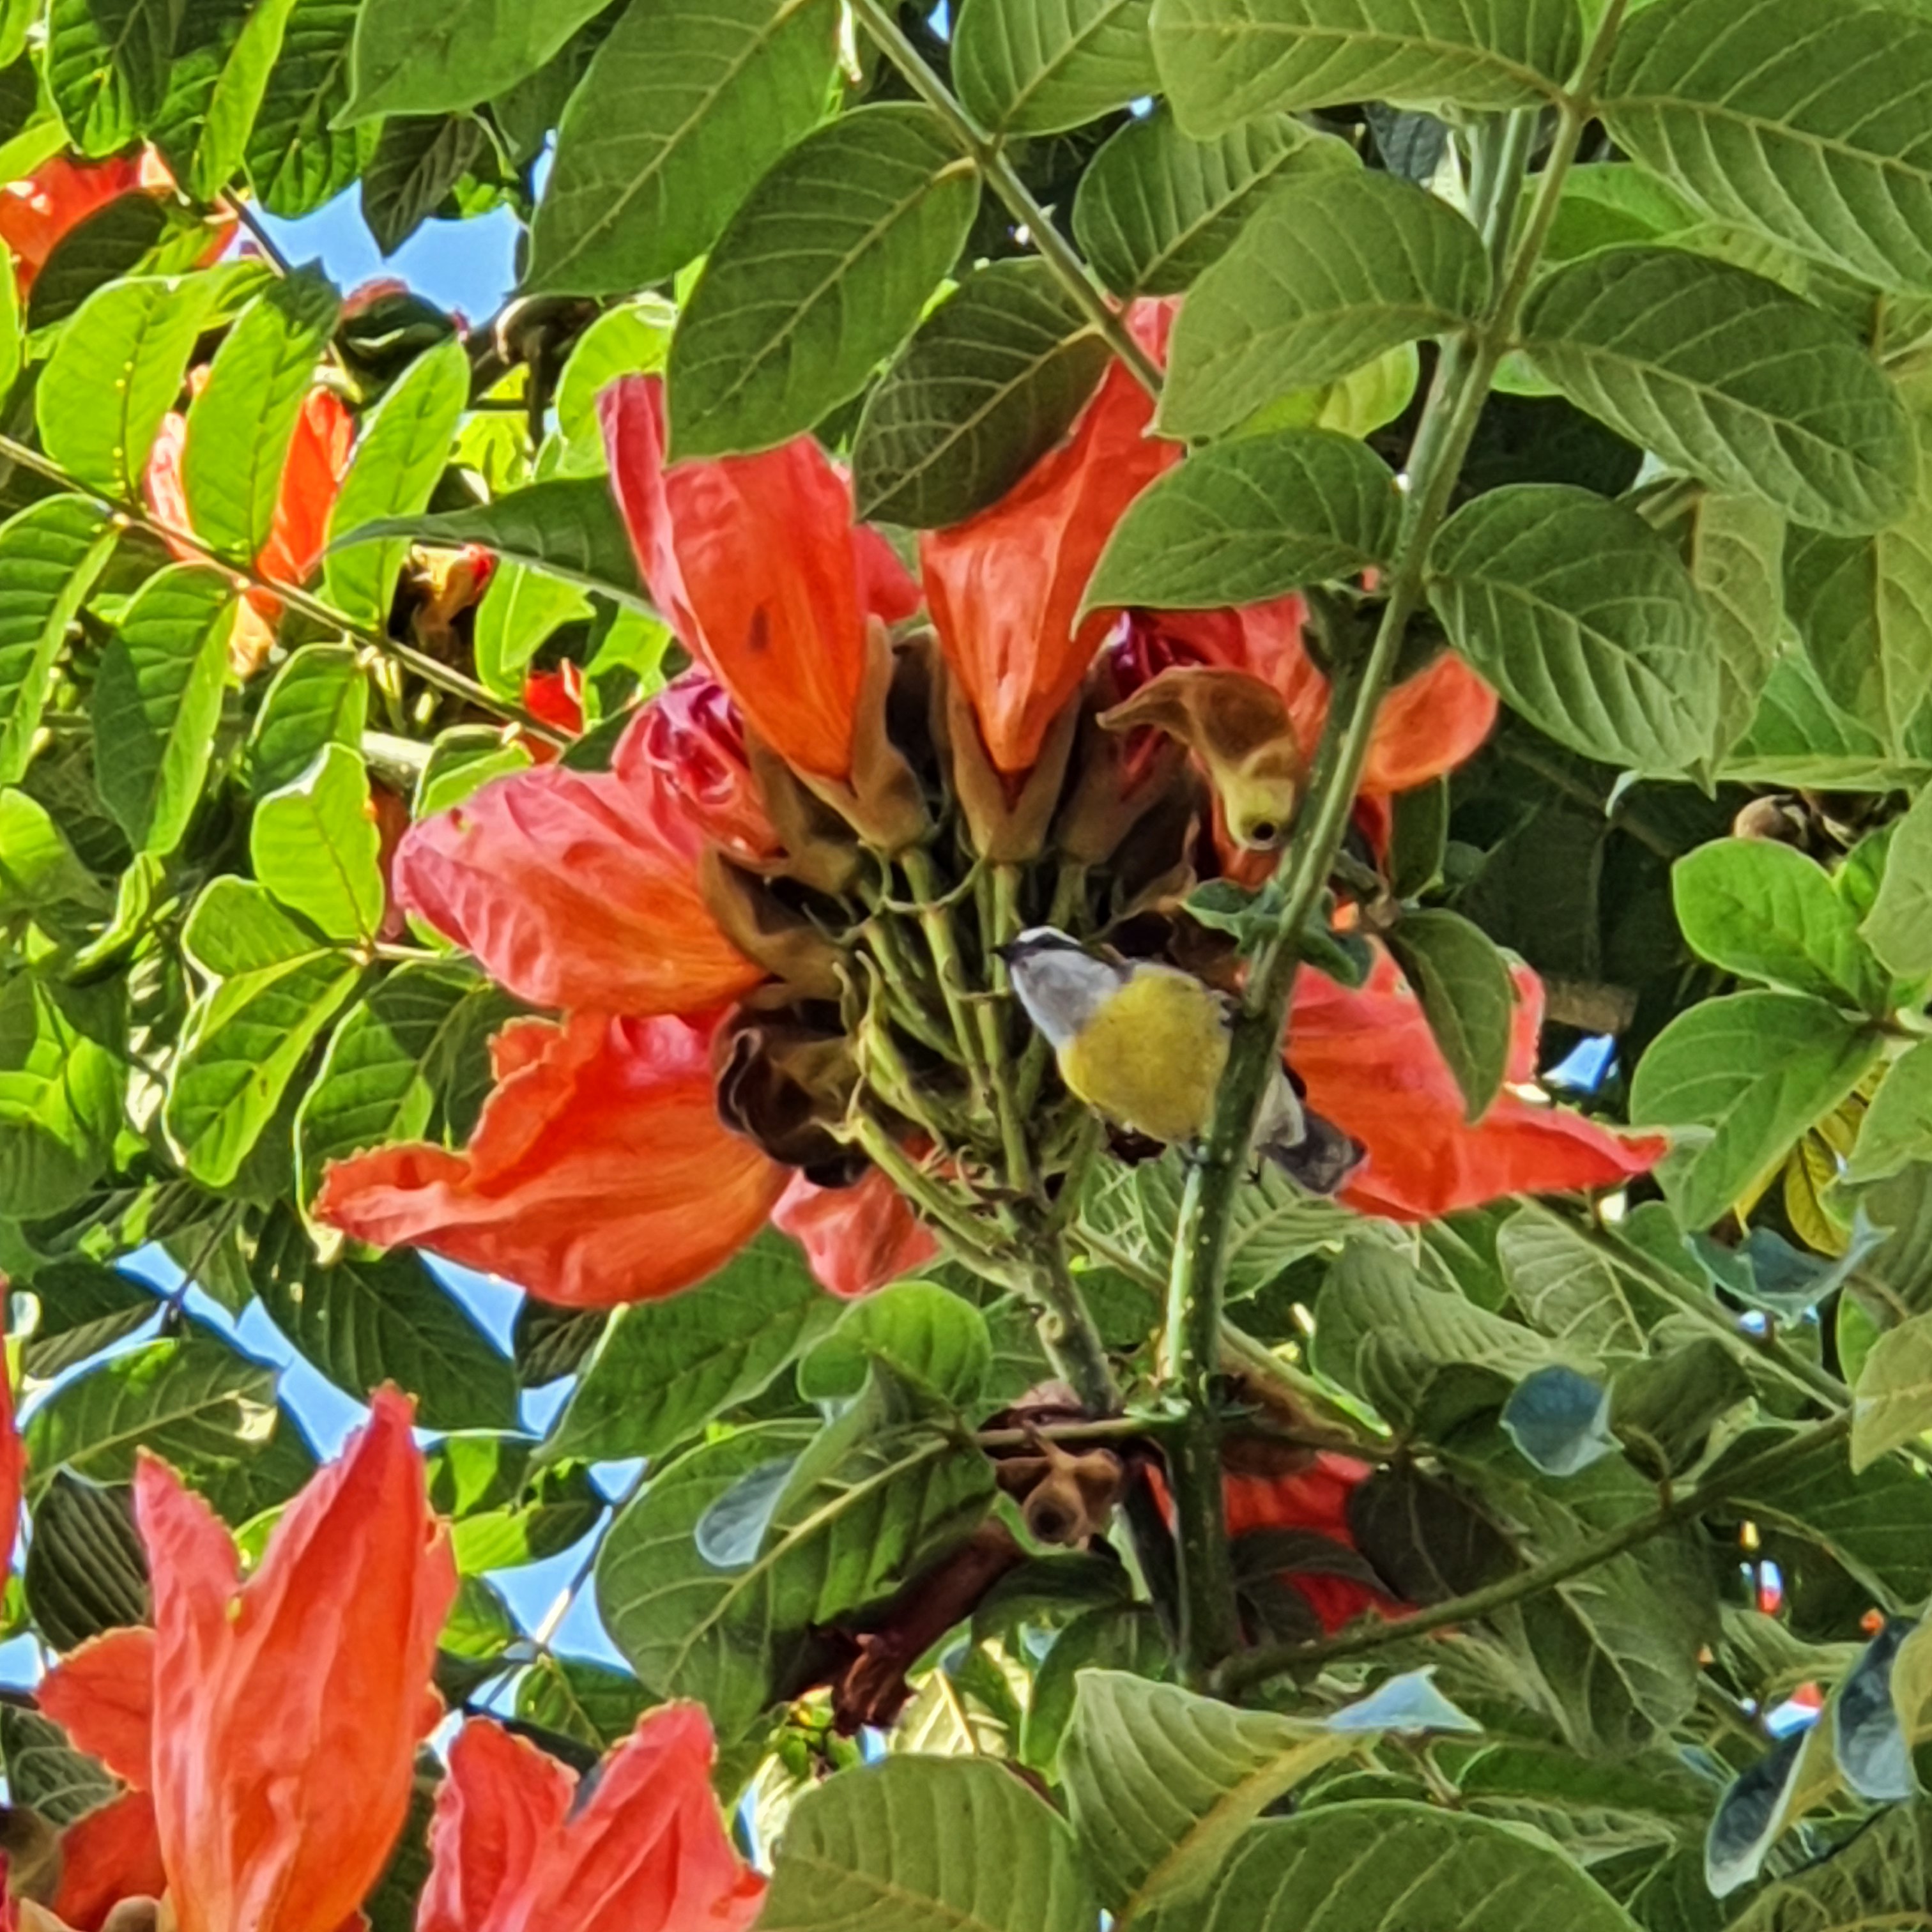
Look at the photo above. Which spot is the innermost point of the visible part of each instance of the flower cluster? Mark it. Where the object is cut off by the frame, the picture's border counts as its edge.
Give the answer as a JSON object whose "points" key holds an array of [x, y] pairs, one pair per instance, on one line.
{"points": [[266, 1733], [770, 930]]}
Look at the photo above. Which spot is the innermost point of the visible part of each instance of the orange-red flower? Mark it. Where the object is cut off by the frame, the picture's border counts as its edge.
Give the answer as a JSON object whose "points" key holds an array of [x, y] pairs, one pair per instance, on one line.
{"points": [[756, 562], [513, 1851], [270, 1725], [312, 475], [1371, 1065], [13, 1452], [1005, 585], [855, 1237], [1315, 1500], [599, 1172], [58, 195], [578, 889]]}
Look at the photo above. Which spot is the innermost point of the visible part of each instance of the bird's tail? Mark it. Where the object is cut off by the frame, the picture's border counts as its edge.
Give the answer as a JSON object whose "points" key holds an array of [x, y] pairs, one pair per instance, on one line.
{"points": [[1314, 1152]]}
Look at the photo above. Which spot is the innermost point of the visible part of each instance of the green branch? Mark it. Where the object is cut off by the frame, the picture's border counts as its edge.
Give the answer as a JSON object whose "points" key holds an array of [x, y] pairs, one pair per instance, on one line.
{"points": [[420, 664], [1468, 367], [1275, 1660], [1003, 178]]}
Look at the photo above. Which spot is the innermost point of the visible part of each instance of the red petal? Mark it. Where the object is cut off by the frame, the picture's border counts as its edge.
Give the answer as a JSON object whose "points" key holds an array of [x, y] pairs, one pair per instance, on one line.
{"points": [[599, 1172], [501, 1808], [1372, 1066], [102, 1695], [36, 213], [855, 1238], [649, 1852], [311, 480], [556, 696], [690, 738], [576, 889], [13, 1452], [288, 1711], [111, 1854], [1005, 585], [753, 560], [1428, 725]]}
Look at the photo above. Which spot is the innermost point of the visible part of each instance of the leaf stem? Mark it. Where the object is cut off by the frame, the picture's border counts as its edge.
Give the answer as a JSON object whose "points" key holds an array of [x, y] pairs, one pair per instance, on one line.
{"points": [[136, 517], [1003, 178], [1242, 1672]]}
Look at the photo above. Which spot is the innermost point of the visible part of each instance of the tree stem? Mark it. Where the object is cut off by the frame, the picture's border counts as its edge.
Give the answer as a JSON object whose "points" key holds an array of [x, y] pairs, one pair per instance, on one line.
{"points": [[1242, 1672], [1003, 178]]}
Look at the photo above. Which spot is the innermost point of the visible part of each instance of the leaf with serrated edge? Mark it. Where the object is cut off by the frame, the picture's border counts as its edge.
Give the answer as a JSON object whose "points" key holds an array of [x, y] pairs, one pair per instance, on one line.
{"points": [[1723, 373], [821, 273], [1040, 66], [1247, 520], [1584, 618], [1223, 60], [1316, 285], [714, 91], [1804, 120], [962, 1842]]}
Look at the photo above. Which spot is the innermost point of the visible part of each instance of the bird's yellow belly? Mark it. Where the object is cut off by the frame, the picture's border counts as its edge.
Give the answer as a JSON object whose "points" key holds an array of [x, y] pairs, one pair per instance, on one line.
{"points": [[1152, 1059]]}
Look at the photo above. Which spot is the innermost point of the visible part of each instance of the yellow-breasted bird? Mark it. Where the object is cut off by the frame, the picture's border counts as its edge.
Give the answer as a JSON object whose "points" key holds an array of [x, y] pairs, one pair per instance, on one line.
{"points": [[1145, 1044]]}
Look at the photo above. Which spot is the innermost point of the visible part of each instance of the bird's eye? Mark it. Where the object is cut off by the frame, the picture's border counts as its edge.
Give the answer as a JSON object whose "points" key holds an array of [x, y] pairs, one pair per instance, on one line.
{"points": [[1264, 833]]}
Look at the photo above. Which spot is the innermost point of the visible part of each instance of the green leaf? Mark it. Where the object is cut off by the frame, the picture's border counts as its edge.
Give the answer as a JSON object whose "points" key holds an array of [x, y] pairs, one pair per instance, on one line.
{"points": [[114, 373], [1735, 549], [275, 983], [237, 97], [1162, 1785], [1799, 119], [872, 1500], [419, 160], [1897, 1129], [1369, 1866], [1877, 1524], [45, 1771], [112, 241], [1567, 1286], [314, 844], [107, 68], [520, 609], [821, 273], [1880, 1879], [410, 61], [362, 1322], [1584, 618], [664, 1368], [1891, 1405], [1800, 738], [239, 426], [566, 527], [1222, 62], [714, 92], [631, 340], [1757, 1069], [1155, 208], [560, 1508], [39, 869], [923, 1842], [192, 1400], [400, 1066], [1316, 285], [296, 157], [995, 377], [1467, 998], [320, 698], [84, 1308], [50, 555], [1250, 520], [924, 1332], [1768, 912], [60, 1093], [1041, 67], [1899, 926], [86, 1571], [587, 1701], [1723, 374], [158, 701]]}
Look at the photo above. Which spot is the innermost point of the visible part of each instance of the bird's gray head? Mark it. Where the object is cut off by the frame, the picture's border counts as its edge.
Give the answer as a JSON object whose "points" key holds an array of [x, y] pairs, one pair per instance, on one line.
{"points": [[1060, 984]]}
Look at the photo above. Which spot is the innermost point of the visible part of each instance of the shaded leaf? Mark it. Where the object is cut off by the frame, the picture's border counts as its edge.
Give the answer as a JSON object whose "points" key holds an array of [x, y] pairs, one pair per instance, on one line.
{"points": [[295, 156], [1899, 926], [86, 1571], [1467, 998], [922, 1331], [407, 60], [1039, 67]]}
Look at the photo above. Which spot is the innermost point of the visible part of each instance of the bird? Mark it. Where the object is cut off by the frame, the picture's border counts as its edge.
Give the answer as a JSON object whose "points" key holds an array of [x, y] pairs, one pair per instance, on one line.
{"points": [[1145, 1044]]}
